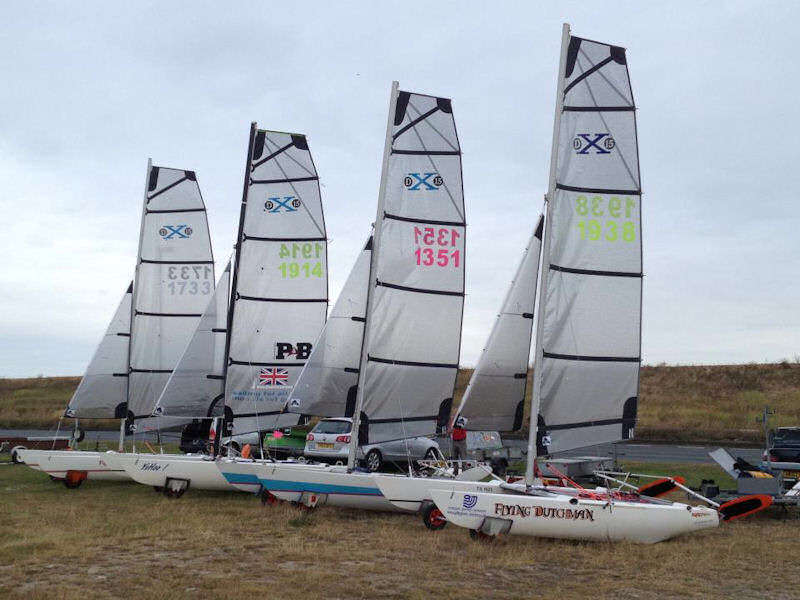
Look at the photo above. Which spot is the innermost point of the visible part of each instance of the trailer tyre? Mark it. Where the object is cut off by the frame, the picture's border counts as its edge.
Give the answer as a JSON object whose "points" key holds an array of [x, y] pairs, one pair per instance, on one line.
{"points": [[14, 456], [433, 517]]}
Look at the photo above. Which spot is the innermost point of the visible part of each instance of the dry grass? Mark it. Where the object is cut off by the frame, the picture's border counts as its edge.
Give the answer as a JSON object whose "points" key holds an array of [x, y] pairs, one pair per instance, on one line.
{"points": [[109, 540], [711, 403]]}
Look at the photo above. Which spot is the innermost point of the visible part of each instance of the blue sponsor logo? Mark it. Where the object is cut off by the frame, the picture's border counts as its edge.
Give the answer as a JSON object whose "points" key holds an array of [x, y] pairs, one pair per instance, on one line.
{"points": [[470, 501], [175, 232], [425, 182], [597, 143], [287, 204]]}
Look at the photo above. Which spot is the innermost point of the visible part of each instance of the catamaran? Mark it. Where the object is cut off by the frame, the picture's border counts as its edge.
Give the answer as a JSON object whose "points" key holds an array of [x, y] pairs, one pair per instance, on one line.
{"points": [[588, 339], [395, 374], [159, 310], [248, 352]]}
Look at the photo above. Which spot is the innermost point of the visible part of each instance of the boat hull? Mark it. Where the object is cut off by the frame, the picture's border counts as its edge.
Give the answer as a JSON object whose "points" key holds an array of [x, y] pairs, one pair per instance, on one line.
{"points": [[156, 469], [312, 483], [411, 493], [567, 516], [57, 463]]}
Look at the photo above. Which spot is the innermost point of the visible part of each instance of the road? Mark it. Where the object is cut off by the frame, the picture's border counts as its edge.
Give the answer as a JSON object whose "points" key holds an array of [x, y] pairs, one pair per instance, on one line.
{"points": [[636, 451]]}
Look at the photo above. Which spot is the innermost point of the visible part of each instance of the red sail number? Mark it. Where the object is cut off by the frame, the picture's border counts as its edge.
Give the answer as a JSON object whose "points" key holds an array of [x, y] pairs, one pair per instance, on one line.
{"points": [[445, 239]]}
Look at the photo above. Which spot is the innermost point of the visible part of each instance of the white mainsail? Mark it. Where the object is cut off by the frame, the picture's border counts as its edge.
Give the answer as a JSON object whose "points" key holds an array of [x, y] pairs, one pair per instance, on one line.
{"points": [[586, 375], [409, 360], [105, 384], [495, 395], [197, 383], [280, 284], [174, 279], [328, 383]]}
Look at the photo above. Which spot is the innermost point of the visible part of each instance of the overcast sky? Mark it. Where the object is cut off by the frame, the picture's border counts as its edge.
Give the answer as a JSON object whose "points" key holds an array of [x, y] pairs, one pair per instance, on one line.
{"points": [[90, 90]]}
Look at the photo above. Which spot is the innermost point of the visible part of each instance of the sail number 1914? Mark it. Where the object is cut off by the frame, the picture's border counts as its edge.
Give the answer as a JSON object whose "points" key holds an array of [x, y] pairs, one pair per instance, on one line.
{"points": [[436, 247], [302, 260]]}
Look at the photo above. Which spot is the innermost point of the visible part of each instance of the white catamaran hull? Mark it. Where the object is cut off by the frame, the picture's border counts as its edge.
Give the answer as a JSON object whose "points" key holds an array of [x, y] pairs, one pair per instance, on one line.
{"points": [[569, 517], [313, 484], [156, 469], [58, 463], [410, 493]]}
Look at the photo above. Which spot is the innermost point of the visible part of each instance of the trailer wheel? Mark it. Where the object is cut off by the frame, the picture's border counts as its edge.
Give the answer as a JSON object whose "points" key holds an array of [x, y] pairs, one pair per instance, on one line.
{"points": [[14, 456], [158, 489], [478, 535], [74, 479], [433, 517], [268, 498]]}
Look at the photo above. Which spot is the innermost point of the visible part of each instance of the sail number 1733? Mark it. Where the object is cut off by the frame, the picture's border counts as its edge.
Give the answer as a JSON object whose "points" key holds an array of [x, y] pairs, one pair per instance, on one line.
{"points": [[616, 214], [436, 246]]}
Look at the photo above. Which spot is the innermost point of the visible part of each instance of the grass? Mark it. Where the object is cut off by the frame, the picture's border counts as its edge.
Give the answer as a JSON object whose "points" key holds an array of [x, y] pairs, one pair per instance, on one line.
{"points": [[718, 404], [108, 540]]}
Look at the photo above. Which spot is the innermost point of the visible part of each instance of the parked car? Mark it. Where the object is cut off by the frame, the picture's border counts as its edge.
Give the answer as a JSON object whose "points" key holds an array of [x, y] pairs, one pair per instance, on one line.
{"points": [[329, 440], [286, 442], [783, 453], [784, 445]]}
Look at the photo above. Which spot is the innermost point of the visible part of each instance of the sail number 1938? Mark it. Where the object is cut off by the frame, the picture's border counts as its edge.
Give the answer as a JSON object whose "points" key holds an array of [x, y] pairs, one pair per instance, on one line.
{"points": [[436, 246], [616, 213]]}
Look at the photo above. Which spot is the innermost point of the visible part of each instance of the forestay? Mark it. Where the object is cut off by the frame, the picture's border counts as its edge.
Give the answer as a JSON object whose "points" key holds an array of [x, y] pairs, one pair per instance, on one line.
{"points": [[105, 384], [197, 383], [495, 394], [280, 284], [592, 306], [327, 384], [417, 277], [174, 280]]}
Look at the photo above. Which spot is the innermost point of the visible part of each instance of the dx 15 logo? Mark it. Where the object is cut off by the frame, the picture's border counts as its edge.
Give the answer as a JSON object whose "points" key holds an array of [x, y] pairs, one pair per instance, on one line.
{"points": [[175, 232], [597, 143], [300, 350], [416, 182], [285, 204]]}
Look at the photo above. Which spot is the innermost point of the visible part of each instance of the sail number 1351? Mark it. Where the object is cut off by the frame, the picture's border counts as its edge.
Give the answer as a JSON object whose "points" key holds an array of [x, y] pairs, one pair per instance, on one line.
{"points": [[616, 213], [436, 246]]}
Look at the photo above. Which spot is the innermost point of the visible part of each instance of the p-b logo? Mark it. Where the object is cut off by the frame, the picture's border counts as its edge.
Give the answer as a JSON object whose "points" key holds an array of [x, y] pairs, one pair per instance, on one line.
{"points": [[300, 351], [416, 182]]}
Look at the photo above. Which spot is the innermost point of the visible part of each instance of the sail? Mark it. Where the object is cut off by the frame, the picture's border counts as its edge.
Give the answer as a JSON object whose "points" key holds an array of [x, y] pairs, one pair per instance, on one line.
{"points": [[327, 384], [197, 382], [416, 300], [174, 280], [280, 286], [495, 394], [591, 329], [105, 383]]}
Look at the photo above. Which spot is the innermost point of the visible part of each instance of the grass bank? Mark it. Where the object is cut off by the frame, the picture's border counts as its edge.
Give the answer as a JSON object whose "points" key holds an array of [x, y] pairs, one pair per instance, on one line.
{"points": [[697, 403]]}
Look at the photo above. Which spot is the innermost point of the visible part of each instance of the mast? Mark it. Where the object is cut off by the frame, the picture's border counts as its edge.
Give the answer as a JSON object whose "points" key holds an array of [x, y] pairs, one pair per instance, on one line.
{"points": [[376, 242], [133, 304], [235, 276], [238, 246], [545, 261]]}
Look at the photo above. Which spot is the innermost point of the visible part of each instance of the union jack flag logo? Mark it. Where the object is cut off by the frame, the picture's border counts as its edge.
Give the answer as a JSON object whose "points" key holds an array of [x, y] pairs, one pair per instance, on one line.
{"points": [[273, 377]]}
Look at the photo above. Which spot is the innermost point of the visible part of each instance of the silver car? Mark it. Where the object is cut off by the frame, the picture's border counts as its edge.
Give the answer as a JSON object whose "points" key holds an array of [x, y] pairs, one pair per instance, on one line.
{"points": [[330, 441]]}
